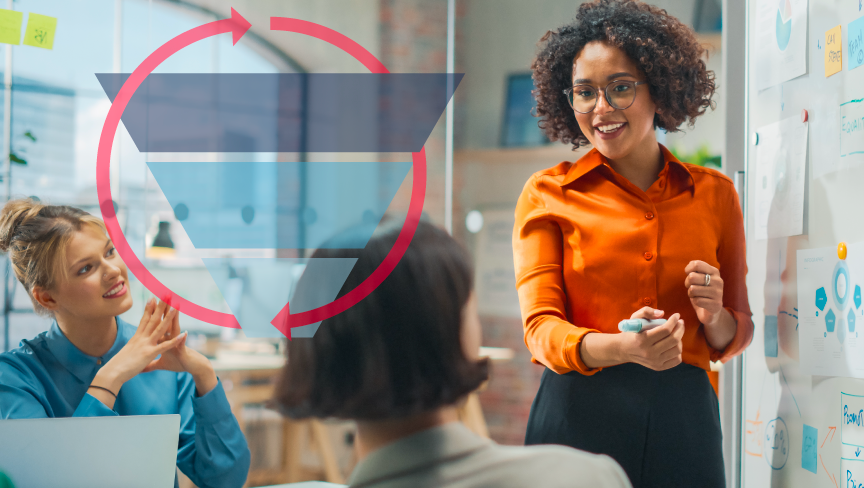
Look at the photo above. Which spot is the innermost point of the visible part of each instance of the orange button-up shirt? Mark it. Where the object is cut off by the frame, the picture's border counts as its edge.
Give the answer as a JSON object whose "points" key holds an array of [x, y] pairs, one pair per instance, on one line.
{"points": [[591, 248]]}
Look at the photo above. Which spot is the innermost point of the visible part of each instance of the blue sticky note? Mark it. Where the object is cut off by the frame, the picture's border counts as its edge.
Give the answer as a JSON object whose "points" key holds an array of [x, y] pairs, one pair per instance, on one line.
{"points": [[855, 38], [770, 336], [808, 448]]}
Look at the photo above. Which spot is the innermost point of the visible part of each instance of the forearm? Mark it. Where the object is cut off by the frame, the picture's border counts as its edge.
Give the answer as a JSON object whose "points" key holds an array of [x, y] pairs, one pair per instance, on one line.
{"points": [[600, 350], [205, 379], [109, 379], [720, 333]]}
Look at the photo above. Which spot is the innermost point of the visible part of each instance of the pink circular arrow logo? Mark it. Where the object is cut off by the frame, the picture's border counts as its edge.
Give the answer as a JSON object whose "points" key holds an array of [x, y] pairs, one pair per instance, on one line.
{"points": [[284, 321]]}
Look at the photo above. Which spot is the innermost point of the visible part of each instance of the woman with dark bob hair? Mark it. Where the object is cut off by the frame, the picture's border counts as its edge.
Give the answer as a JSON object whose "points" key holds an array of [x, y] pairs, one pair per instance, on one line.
{"points": [[629, 232], [399, 361]]}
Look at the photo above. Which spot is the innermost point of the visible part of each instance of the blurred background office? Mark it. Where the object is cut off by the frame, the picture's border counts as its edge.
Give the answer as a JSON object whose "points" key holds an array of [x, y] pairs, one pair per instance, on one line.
{"points": [[58, 107]]}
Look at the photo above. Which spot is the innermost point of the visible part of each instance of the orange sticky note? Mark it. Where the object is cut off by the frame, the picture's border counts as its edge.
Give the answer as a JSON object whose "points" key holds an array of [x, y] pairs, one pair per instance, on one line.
{"points": [[833, 52]]}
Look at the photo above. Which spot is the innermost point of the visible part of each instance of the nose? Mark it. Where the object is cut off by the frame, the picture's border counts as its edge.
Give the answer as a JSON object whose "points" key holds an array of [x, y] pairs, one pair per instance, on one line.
{"points": [[602, 106], [111, 271]]}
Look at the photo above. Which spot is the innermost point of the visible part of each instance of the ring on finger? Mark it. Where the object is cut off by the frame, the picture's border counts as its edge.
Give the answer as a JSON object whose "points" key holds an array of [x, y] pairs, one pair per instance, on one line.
{"points": [[707, 279]]}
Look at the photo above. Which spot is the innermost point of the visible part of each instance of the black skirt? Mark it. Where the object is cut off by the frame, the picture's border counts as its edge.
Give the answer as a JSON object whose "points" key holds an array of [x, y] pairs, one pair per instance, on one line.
{"points": [[662, 427]]}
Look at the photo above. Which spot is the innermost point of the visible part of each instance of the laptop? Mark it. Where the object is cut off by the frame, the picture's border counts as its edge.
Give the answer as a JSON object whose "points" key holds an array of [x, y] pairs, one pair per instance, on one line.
{"points": [[92, 452]]}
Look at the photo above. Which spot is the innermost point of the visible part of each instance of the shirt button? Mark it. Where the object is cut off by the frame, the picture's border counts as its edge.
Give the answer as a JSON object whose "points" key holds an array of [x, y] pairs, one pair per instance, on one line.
{"points": [[98, 361], [648, 256], [646, 300], [649, 215]]}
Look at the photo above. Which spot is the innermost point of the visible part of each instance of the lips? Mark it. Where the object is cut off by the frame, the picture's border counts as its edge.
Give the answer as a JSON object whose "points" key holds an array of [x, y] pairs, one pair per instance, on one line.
{"points": [[115, 291], [609, 130]]}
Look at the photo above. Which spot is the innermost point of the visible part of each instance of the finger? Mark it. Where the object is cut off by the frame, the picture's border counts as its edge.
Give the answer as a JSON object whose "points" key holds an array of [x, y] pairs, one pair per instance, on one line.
{"points": [[168, 345], [701, 267], [710, 304], [160, 330], [155, 318], [705, 292], [148, 311], [664, 330], [647, 313], [670, 364]]}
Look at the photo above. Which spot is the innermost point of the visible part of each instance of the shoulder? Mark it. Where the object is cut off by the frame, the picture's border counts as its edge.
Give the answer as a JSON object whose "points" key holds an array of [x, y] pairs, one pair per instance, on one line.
{"points": [[709, 176], [555, 466], [24, 360]]}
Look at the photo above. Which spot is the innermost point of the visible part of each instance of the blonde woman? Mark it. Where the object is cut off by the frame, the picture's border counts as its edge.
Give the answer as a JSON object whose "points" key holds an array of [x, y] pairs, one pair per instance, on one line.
{"points": [[90, 363]]}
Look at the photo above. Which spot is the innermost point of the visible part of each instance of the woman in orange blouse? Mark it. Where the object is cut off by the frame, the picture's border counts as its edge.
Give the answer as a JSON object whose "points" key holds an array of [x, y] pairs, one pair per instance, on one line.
{"points": [[628, 231]]}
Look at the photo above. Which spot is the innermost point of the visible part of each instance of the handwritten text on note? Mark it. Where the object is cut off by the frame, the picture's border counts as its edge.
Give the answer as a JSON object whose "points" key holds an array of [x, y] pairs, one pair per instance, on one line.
{"points": [[40, 31], [855, 36], [10, 26], [833, 52]]}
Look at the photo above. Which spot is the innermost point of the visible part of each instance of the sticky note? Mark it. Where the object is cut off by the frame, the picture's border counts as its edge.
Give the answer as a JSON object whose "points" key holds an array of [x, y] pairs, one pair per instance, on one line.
{"points": [[770, 336], [855, 36], [40, 31], [10, 26], [833, 51], [809, 448]]}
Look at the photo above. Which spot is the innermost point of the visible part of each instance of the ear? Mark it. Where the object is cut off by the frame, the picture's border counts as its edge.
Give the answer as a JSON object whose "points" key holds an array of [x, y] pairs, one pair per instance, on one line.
{"points": [[44, 298]]}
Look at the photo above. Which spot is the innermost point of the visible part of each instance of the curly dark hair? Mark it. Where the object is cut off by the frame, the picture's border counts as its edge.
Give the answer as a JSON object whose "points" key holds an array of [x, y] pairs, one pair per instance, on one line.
{"points": [[665, 49]]}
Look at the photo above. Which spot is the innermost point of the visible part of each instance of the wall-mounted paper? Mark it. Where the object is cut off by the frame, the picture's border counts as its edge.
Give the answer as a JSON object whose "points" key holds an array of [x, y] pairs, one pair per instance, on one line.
{"points": [[855, 43], [781, 158], [10, 26], [781, 41], [830, 312], [852, 128], [40, 31], [833, 52], [809, 446]]}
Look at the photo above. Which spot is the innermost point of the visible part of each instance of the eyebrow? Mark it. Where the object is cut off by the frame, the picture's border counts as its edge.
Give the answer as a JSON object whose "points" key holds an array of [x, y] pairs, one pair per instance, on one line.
{"points": [[609, 78], [107, 243]]}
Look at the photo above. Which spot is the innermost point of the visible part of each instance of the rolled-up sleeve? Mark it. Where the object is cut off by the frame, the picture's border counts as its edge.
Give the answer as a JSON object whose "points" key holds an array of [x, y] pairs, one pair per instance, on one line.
{"points": [[732, 256], [538, 256], [213, 451]]}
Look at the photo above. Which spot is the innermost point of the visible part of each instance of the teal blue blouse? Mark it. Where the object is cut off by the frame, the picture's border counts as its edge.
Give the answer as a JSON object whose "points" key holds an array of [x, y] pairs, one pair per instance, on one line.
{"points": [[48, 377]]}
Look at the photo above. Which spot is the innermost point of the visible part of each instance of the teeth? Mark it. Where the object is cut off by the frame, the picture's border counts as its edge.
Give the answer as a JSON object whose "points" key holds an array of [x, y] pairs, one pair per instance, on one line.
{"points": [[609, 128], [114, 290]]}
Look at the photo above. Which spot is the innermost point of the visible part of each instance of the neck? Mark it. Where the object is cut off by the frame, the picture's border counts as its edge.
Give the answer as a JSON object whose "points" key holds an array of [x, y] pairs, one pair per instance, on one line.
{"points": [[373, 435], [642, 165], [93, 336]]}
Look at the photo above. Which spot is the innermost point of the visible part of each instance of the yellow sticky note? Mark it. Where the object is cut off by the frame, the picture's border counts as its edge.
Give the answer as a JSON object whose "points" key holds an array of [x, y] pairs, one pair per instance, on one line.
{"points": [[40, 31], [10, 26], [833, 52]]}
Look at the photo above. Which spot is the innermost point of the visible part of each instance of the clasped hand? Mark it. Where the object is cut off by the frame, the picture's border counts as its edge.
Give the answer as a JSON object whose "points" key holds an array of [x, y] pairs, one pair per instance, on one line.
{"points": [[158, 344]]}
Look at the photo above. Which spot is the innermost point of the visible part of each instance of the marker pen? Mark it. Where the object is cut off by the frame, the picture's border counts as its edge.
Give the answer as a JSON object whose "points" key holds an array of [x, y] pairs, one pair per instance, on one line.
{"points": [[639, 325]]}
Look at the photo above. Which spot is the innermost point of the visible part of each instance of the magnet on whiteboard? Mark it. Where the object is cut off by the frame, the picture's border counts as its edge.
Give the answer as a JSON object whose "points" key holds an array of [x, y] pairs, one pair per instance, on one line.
{"points": [[754, 139], [804, 115]]}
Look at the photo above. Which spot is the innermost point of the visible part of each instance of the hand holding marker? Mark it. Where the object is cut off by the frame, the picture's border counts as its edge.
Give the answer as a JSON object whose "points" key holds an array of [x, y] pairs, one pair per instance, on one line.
{"points": [[639, 325]]}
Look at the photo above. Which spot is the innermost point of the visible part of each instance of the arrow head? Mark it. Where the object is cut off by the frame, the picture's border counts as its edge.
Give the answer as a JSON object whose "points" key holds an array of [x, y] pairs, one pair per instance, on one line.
{"points": [[239, 27]]}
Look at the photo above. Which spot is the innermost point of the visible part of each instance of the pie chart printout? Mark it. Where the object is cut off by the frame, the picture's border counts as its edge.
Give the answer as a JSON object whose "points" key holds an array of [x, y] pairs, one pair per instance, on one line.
{"points": [[784, 24]]}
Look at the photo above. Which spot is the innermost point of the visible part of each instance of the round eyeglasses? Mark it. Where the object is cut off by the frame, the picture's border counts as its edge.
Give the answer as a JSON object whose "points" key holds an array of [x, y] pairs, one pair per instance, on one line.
{"points": [[619, 93]]}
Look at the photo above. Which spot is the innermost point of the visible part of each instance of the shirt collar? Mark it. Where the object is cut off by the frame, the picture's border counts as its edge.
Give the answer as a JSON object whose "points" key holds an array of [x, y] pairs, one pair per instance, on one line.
{"points": [[594, 159], [81, 365], [423, 449]]}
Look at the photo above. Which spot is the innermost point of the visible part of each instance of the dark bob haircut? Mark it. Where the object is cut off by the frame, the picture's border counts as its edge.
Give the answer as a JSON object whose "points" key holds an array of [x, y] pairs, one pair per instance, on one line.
{"points": [[666, 50], [399, 351]]}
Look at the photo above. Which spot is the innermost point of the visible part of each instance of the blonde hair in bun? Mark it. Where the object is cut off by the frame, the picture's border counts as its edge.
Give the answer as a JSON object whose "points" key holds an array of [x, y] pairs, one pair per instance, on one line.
{"points": [[35, 237]]}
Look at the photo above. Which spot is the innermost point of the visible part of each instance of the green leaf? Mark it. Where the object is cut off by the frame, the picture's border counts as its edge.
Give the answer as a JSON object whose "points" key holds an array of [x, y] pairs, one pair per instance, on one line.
{"points": [[15, 159], [29, 135]]}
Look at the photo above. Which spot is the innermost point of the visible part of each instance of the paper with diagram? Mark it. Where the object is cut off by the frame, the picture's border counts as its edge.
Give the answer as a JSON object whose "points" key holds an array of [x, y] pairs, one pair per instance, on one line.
{"points": [[781, 41], [830, 312]]}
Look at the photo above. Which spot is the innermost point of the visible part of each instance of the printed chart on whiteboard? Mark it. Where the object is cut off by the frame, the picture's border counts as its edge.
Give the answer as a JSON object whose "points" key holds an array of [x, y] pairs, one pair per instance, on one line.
{"points": [[782, 41], [830, 312]]}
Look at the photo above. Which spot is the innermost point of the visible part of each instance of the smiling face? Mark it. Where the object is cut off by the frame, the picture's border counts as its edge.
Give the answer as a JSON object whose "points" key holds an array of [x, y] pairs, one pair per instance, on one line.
{"points": [[624, 132], [96, 283]]}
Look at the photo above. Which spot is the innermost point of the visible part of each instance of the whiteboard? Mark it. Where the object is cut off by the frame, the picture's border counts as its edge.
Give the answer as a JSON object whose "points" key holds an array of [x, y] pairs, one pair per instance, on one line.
{"points": [[795, 430]]}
